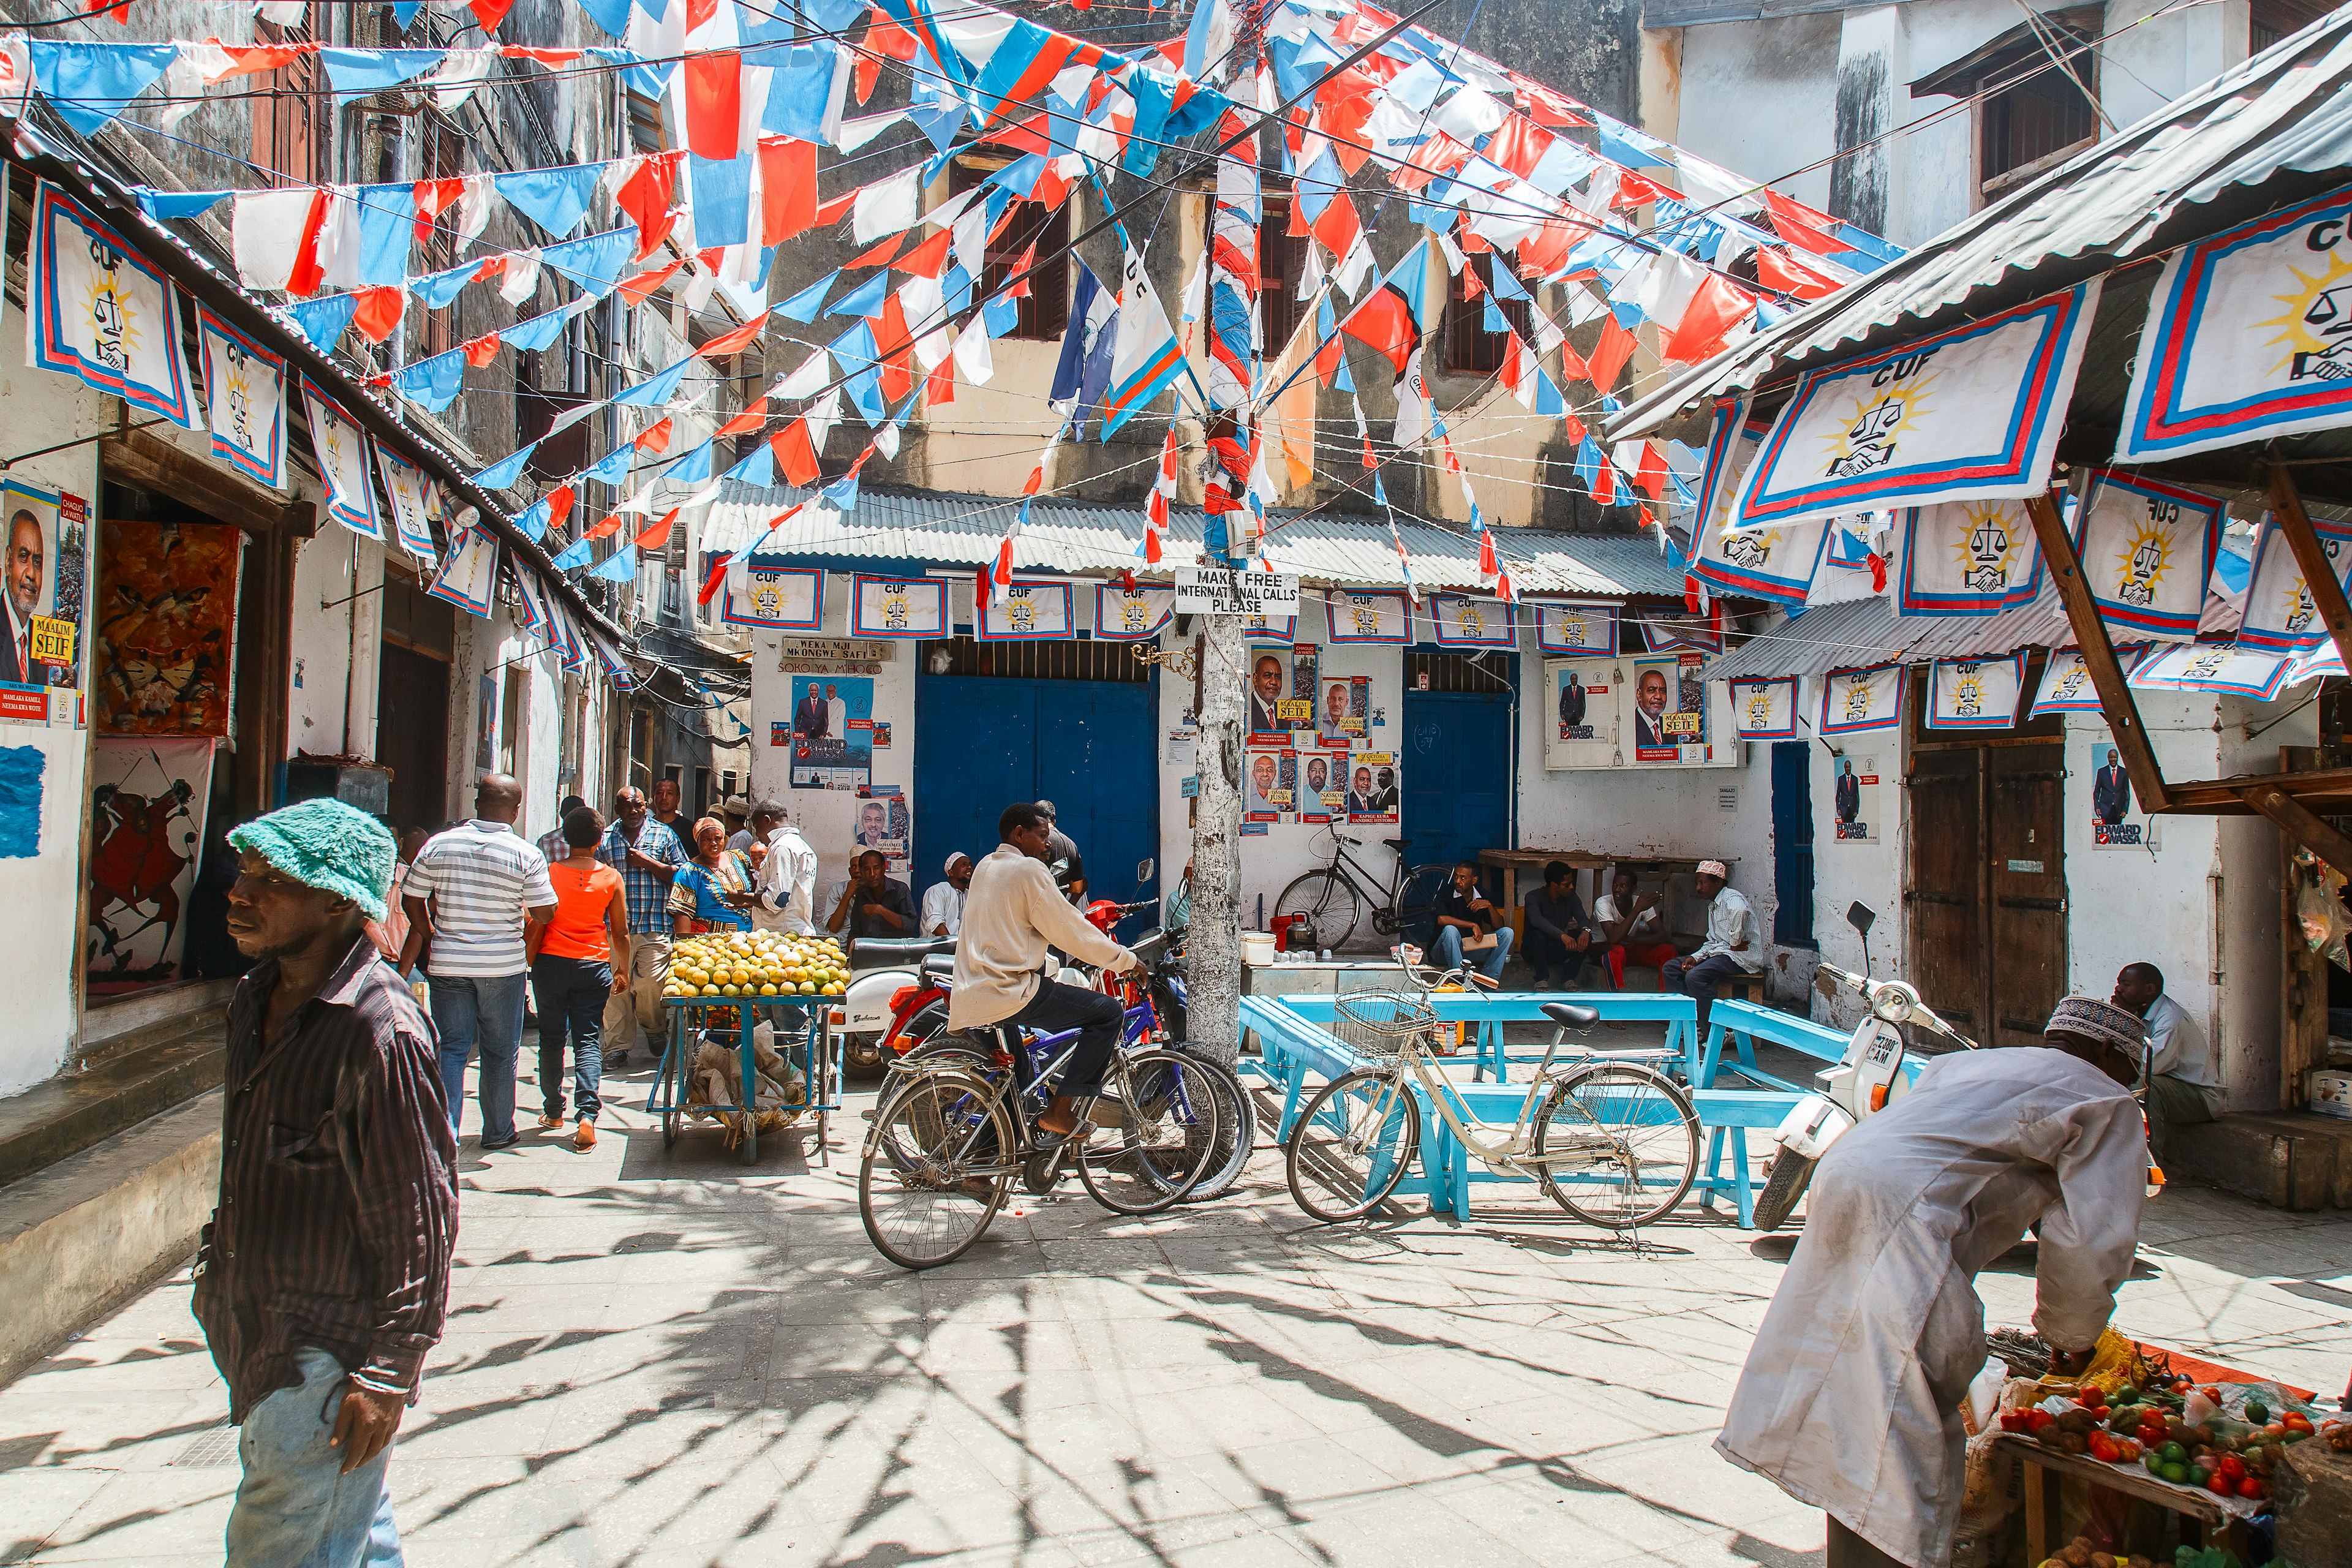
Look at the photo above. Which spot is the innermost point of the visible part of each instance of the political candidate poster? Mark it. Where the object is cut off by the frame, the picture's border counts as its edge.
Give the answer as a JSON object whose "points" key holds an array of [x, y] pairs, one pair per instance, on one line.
{"points": [[833, 732]]}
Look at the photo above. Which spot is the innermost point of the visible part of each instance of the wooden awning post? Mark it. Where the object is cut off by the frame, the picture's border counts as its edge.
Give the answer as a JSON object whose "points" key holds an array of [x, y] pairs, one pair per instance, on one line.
{"points": [[2319, 579], [2115, 699]]}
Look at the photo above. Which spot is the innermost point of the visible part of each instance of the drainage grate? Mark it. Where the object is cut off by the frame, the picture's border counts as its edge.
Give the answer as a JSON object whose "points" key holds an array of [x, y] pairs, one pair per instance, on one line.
{"points": [[213, 1446]]}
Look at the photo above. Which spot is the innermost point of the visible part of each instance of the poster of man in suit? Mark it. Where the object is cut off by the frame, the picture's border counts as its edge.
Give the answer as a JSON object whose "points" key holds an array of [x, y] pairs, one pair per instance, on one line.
{"points": [[1854, 801], [2117, 822], [41, 572]]}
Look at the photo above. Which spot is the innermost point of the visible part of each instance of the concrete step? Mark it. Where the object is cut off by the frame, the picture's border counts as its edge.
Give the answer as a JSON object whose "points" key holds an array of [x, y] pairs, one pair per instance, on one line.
{"points": [[2290, 1160], [84, 1235], [125, 1085]]}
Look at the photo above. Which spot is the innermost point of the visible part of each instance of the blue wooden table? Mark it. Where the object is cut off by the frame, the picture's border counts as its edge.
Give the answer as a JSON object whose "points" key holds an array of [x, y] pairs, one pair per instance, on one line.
{"points": [[1295, 1038]]}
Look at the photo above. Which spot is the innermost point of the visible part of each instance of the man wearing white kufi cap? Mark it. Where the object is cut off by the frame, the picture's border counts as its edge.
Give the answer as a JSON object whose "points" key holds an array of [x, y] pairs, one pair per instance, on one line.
{"points": [[1732, 946], [1850, 1396], [943, 902]]}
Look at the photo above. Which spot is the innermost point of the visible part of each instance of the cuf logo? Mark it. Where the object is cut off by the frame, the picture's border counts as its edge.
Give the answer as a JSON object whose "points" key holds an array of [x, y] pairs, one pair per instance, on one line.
{"points": [[1857, 697], [2145, 562], [1987, 550]]}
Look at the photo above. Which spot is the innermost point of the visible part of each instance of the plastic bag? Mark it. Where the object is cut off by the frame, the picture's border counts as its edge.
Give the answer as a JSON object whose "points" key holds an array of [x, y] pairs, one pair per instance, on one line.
{"points": [[2319, 908]]}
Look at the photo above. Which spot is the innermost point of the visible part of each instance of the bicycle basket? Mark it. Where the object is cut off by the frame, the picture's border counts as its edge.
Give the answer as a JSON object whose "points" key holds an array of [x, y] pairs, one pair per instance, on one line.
{"points": [[1376, 1024]]}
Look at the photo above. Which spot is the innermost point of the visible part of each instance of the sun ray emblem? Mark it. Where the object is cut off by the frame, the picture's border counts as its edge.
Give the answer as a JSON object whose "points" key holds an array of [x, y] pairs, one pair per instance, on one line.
{"points": [[1875, 421], [1987, 547], [2316, 329], [113, 315], [2141, 566]]}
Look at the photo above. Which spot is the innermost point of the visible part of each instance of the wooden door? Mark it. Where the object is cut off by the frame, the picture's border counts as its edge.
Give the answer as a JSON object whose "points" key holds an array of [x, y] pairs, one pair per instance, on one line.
{"points": [[1946, 897], [2026, 815]]}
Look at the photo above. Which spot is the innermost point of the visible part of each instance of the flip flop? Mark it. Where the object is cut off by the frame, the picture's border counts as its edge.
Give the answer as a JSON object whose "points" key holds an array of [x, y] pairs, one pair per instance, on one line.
{"points": [[1078, 1134]]}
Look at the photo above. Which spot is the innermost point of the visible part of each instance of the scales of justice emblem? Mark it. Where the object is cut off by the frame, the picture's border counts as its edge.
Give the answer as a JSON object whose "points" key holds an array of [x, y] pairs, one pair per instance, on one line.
{"points": [[238, 393], [1858, 695], [1967, 695], [894, 607], [1986, 551], [2205, 665], [1020, 609], [768, 599], [112, 328], [1901, 387], [1760, 708], [2316, 329], [1366, 616], [2144, 564]]}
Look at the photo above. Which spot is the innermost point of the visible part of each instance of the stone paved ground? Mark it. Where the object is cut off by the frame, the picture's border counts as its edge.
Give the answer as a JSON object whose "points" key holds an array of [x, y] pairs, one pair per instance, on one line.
{"points": [[657, 1361]]}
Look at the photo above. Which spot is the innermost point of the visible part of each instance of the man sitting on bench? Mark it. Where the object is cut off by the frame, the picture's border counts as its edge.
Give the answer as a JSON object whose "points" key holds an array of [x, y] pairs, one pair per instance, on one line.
{"points": [[1629, 928], [1730, 948]]}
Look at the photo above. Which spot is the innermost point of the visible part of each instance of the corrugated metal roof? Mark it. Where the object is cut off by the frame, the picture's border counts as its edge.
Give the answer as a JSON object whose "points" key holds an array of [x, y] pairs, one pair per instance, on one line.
{"points": [[941, 529], [1868, 631], [2281, 120]]}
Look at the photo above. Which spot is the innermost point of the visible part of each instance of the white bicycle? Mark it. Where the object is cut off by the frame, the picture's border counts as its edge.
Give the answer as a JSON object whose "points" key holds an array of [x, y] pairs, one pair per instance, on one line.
{"points": [[1611, 1138]]}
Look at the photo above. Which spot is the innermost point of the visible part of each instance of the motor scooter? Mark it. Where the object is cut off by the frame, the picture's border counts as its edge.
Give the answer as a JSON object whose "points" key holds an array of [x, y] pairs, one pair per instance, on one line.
{"points": [[1870, 1076]]}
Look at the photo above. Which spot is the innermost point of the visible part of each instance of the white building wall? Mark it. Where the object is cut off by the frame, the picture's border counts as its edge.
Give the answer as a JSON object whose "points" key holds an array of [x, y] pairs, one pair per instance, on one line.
{"points": [[330, 706], [39, 893], [2148, 63], [1758, 99], [1870, 872]]}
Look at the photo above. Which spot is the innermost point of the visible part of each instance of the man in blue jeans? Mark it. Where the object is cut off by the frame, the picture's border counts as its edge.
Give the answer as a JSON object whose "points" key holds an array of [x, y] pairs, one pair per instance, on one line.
{"points": [[322, 1282], [1465, 915], [476, 888]]}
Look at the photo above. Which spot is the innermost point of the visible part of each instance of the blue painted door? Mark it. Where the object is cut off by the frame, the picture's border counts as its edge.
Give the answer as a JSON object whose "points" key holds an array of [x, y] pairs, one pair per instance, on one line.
{"points": [[1793, 844], [983, 742], [1456, 760]]}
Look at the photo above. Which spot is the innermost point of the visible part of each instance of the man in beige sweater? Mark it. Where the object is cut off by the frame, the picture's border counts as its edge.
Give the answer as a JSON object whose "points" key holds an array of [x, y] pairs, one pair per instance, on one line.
{"points": [[1011, 913]]}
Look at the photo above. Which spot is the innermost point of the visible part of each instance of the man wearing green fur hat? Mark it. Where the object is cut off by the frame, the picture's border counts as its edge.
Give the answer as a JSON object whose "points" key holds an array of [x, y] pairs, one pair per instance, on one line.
{"points": [[323, 1278]]}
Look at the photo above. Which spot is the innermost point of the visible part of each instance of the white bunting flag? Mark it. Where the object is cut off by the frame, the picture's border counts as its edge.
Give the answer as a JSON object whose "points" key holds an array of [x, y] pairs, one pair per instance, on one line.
{"points": [[341, 446], [244, 400], [2280, 616]]}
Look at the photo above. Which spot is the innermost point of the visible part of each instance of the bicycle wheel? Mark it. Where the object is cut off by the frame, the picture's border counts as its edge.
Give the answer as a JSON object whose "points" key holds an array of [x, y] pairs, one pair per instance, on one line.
{"points": [[1158, 1116], [934, 1172], [1618, 1144], [1236, 1129], [1351, 1146], [1416, 901], [1327, 900]]}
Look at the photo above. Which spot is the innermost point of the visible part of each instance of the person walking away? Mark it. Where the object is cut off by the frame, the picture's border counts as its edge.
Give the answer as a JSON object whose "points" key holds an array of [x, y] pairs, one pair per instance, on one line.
{"points": [[710, 891], [477, 887], [647, 856], [1631, 928], [552, 843], [1060, 845], [2184, 1084], [1732, 946], [1466, 919], [1176, 911], [943, 902], [784, 891], [1557, 935], [871, 904], [322, 1282], [573, 972], [391, 933], [1010, 916], [1850, 1396]]}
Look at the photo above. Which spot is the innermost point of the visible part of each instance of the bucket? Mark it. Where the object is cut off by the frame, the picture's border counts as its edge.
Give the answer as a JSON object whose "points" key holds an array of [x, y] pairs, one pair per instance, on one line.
{"points": [[1258, 947]]}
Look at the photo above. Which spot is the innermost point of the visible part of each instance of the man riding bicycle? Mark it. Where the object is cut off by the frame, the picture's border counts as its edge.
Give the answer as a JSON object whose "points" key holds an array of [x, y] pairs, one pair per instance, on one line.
{"points": [[1013, 913]]}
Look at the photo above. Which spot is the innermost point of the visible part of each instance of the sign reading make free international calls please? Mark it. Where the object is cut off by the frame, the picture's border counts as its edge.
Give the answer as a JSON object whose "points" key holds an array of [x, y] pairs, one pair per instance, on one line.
{"points": [[1231, 591]]}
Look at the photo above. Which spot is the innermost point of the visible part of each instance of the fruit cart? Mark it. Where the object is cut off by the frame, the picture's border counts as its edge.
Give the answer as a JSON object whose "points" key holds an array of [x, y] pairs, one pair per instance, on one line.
{"points": [[725, 983], [801, 1040]]}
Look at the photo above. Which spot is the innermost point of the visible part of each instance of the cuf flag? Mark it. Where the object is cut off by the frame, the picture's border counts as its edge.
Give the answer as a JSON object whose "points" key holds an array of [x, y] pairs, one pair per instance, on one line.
{"points": [[466, 578], [1969, 414], [341, 449], [2147, 550], [1765, 709], [99, 310], [1857, 700], [2280, 616], [1147, 357], [244, 400], [412, 502], [1968, 558], [1975, 693], [2249, 336]]}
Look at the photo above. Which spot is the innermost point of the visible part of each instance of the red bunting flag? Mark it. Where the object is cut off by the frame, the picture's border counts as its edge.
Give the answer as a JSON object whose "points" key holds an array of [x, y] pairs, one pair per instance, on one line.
{"points": [[787, 188], [558, 506], [713, 89], [653, 439], [646, 196], [795, 458], [712, 585], [1609, 357], [741, 338], [610, 525], [379, 312], [657, 537], [480, 351], [1717, 309], [743, 424]]}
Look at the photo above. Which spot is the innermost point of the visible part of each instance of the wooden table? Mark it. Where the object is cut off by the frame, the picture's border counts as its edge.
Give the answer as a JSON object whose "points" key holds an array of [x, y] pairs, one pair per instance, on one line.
{"points": [[2041, 1521]]}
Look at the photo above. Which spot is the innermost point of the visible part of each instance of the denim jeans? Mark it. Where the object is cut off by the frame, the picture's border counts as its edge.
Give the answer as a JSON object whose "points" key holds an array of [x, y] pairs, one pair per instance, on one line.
{"points": [[1490, 961], [1698, 977], [1096, 1016], [488, 1010], [295, 1508], [572, 994]]}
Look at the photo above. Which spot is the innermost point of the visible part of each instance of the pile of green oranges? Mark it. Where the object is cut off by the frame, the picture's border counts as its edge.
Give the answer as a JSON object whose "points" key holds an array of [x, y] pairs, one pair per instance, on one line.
{"points": [[757, 963]]}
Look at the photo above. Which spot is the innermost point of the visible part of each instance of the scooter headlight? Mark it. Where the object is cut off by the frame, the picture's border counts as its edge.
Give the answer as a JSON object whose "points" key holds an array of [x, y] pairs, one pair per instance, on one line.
{"points": [[1894, 1001]]}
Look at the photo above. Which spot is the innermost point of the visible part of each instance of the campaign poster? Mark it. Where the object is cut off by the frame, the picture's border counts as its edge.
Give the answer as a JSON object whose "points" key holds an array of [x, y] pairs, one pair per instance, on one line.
{"points": [[1343, 711], [146, 831], [833, 732], [1854, 800], [886, 823], [1269, 688], [47, 549], [2116, 820], [1297, 711], [1322, 787], [1262, 796], [1371, 793], [1670, 709], [1286, 783]]}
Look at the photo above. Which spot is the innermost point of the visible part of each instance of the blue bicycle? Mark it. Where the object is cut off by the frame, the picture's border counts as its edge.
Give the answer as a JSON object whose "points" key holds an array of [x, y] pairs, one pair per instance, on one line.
{"points": [[956, 1127]]}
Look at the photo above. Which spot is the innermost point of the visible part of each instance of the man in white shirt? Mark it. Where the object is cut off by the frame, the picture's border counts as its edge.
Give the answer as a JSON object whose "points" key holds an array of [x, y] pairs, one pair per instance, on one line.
{"points": [[476, 888], [1730, 948], [2184, 1084], [1629, 928], [943, 902], [1014, 914], [783, 896]]}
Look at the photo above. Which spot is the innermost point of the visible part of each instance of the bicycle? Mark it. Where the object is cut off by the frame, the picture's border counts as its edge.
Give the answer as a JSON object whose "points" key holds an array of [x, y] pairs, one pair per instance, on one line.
{"points": [[1610, 1139], [1332, 899], [947, 1144]]}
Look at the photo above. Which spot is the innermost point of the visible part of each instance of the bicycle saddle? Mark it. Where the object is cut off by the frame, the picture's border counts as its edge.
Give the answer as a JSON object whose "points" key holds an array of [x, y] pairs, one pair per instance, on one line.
{"points": [[874, 950], [1396, 843], [1568, 1016]]}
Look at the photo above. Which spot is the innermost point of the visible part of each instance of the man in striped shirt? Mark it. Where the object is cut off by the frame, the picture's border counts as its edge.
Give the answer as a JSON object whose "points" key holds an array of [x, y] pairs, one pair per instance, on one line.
{"points": [[476, 888], [647, 856]]}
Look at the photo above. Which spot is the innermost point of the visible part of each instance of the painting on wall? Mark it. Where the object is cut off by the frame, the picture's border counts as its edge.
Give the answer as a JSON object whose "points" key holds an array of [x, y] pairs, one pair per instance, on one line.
{"points": [[146, 820], [166, 621]]}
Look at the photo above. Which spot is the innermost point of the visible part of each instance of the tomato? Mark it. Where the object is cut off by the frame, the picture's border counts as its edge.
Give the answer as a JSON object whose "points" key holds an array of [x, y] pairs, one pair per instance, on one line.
{"points": [[2221, 1484], [2104, 1449], [2232, 1467], [2249, 1487], [2127, 1449], [2041, 1419]]}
